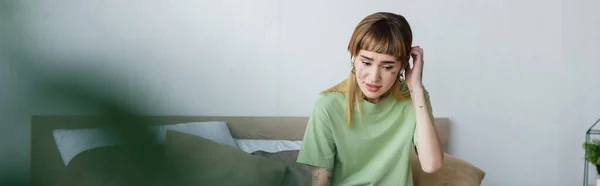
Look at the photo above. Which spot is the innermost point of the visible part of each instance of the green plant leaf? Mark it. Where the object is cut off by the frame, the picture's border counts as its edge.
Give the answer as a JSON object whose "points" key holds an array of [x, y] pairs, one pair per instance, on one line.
{"points": [[592, 149]]}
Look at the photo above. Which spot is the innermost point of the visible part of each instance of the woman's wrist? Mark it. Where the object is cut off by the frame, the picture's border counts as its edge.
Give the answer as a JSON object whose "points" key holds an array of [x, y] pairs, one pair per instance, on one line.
{"points": [[418, 97], [416, 89]]}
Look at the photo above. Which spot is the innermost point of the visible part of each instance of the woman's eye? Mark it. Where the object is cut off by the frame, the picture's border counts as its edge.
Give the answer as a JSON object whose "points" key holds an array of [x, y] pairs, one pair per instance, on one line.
{"points": [[388, 67], [366, 63]]}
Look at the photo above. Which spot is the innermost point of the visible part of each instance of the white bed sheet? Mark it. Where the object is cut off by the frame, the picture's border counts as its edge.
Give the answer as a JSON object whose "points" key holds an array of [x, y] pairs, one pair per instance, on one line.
{"points": [[252, 145]]}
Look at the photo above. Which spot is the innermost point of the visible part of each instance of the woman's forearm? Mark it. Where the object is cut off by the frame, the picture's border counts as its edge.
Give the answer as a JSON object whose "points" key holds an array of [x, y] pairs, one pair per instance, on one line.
{"points": [[428, 142], [321, 176]]}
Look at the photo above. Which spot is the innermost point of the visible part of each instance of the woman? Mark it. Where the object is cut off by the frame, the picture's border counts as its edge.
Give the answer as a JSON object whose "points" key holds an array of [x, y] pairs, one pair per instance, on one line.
{"points": [[362, 130]]}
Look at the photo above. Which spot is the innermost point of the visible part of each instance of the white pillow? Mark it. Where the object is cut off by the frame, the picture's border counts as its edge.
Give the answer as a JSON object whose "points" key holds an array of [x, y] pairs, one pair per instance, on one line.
{"points": [[217, 131], [71, 142], [252, 145]]}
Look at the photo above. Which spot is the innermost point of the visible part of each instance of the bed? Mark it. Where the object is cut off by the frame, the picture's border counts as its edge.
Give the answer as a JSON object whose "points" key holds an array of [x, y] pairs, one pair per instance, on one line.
{"points": [[49, 167]]}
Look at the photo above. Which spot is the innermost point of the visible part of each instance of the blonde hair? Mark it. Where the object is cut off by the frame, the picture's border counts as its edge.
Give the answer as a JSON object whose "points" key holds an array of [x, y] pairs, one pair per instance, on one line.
{"points": [[381, 32]]}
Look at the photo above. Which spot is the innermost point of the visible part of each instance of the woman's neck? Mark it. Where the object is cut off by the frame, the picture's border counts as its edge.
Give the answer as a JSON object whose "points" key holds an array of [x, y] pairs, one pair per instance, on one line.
{"points": [[375, 100]]}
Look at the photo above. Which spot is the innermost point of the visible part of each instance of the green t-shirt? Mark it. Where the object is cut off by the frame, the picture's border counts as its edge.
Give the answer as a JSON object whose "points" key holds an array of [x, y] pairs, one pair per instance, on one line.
{"points": [[375, 152]]}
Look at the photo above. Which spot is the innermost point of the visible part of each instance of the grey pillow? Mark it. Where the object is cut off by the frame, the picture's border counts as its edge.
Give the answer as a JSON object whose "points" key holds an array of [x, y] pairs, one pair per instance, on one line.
{"points": [[198, 161], [113, 166], [297, 174]]}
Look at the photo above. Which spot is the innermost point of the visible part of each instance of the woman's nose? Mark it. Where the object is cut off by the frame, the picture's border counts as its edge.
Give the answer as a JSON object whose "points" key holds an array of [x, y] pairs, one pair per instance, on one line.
{"points": [[373, 74]]}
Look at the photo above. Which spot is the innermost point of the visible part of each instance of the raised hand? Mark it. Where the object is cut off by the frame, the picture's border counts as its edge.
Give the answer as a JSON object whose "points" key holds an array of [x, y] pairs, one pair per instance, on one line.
{"points": [[414, 76]]}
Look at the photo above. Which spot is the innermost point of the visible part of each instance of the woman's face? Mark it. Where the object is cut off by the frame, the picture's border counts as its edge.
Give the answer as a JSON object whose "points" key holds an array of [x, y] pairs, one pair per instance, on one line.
{"points": [[375, 73]]}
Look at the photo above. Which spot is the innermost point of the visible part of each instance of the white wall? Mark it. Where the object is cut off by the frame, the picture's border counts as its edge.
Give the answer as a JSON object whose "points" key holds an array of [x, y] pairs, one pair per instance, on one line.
{"points": [[518, 79], [581, 43]]}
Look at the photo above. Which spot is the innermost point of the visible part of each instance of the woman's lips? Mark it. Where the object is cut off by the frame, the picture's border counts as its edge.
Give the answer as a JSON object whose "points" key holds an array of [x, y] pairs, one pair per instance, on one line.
{"points": [[372, 88]]}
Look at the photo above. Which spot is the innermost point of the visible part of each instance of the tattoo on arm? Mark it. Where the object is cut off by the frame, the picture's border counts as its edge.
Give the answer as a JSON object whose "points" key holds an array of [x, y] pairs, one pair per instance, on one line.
{"points": [[315, 176], [321, 176]]}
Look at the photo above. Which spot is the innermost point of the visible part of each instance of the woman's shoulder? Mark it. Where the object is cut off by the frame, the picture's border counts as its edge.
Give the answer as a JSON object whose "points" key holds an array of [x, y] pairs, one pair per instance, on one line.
{"points": [[330, 100]]}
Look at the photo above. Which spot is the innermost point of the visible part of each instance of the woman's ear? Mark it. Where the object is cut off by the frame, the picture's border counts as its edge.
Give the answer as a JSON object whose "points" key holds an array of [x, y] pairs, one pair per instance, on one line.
{"points": [[352, 65], [408, 62]]}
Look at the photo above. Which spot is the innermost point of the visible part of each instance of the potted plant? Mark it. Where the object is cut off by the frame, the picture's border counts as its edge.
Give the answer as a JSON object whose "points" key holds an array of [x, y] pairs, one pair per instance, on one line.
{"points": [[592, 155]]}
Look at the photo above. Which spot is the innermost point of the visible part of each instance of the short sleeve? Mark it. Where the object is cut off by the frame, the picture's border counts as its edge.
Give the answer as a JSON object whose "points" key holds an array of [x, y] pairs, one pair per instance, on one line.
{"points": [[318, 145], [430, 109]]}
